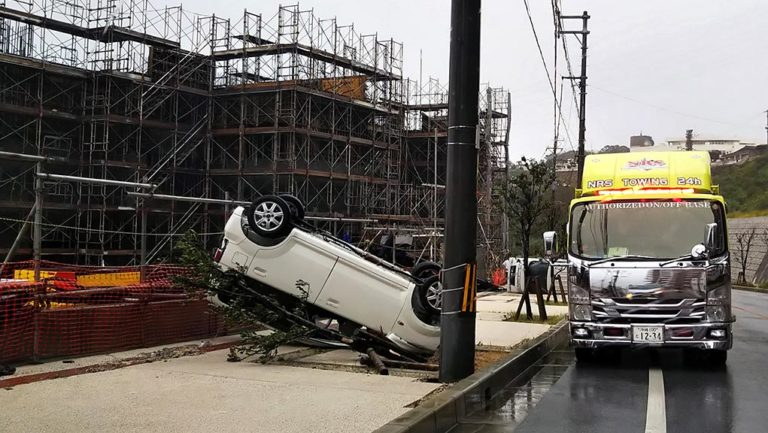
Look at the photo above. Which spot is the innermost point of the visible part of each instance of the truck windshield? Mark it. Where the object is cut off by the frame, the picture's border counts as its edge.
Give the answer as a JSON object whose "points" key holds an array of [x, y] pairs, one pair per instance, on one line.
{"points": [[663, 229]]}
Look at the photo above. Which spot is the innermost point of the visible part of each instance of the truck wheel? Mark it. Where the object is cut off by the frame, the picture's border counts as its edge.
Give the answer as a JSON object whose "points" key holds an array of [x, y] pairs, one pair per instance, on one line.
{"points": [[584, 355], [295, 205], [270, 216], [698, 358], [716, 358], [426, 269]]}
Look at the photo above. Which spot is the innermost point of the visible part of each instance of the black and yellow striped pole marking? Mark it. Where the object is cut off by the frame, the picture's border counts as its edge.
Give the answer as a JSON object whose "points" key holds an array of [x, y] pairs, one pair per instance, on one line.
{"points": [[473, 293], [469, 298]]}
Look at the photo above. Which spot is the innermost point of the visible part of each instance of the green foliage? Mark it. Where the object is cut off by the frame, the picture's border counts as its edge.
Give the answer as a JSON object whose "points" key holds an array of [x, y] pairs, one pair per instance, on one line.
{"points": [[745, 186], [527, 198], [204, 274], [242, 309], [551, 320], [612, 148], [256, 342]]}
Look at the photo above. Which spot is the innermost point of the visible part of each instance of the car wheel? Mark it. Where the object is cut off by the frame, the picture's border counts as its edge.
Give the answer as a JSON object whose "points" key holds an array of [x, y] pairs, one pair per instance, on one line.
{"points": [[426, 269], [295, 205], [270, 216], [431, 295]]}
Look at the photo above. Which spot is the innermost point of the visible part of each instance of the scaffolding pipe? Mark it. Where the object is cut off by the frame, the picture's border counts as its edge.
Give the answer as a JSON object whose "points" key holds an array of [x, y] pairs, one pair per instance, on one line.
{"points": [[341, 219], [187, 199], [239, 203], [50, 176], [37, 231], [31, 158], [143, 240], [19, 236]]}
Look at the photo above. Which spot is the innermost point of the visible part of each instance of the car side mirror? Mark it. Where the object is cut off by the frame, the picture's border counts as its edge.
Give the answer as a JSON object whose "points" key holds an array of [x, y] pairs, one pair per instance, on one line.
{"points": [[550, 244]]}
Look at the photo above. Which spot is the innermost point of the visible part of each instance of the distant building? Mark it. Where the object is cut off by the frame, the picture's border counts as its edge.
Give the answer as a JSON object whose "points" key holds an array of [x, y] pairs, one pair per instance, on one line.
{"points": [[640, 143], [566, 161], [744, 154], [725, 146]]}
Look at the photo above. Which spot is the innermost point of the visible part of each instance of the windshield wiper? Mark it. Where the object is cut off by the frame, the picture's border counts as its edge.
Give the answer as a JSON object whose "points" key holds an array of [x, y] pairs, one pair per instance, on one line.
{"points": [[681, 258], [624, 257]]}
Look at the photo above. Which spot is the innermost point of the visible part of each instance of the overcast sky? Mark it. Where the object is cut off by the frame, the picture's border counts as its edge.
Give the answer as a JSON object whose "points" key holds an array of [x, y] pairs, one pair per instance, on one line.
{"points": [[656, 66]]}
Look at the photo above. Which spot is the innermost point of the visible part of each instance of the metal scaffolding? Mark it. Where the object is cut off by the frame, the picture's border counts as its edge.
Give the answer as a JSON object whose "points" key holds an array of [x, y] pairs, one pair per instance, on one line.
{"points": [[216, 108]]}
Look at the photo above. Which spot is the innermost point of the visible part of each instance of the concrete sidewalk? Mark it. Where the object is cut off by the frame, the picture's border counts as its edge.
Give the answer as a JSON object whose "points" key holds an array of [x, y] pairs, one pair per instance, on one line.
{"points": [[325, 392], [492, 330], [206, 394]]}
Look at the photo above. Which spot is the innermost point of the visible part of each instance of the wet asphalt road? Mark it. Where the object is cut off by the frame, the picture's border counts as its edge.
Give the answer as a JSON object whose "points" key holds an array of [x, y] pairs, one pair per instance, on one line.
{"points": [[560, 396]]}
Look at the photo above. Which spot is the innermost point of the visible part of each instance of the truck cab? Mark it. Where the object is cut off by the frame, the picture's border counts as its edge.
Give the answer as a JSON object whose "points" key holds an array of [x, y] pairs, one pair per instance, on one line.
{"points": [[648, 258]]}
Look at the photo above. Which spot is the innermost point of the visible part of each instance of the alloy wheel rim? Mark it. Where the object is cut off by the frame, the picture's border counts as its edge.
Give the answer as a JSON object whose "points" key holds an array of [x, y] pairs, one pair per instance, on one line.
{"points": [[435, 295], [269, 216]]}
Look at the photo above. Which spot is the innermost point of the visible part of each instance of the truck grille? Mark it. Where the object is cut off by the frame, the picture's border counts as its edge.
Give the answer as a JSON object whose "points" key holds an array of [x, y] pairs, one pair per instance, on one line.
{"points": [[621, 310]]}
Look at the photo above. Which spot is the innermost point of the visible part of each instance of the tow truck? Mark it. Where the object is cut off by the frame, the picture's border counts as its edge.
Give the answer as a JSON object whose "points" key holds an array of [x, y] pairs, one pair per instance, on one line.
{"points": [[648, 258]]}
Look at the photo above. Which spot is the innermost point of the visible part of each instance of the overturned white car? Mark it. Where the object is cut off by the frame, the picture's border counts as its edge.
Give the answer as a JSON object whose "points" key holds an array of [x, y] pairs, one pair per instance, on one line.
{"points": [[270, 243]]}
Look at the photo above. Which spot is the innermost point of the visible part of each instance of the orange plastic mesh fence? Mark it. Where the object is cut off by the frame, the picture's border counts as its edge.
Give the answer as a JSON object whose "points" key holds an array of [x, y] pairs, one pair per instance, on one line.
{"points": [[79, 310]]}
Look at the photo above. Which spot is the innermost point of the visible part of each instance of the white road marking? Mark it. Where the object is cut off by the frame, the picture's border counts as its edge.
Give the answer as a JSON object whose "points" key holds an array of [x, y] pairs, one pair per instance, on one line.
{"points": [[656, 414]]}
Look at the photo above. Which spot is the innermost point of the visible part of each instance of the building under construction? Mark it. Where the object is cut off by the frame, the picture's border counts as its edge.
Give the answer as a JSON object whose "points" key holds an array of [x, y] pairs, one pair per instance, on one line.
{"points": [[172, 103]]}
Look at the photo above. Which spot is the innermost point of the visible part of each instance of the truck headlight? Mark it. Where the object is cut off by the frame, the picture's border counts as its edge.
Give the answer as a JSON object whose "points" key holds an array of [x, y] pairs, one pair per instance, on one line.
{"points": [[578, 295], [716, 313], [581, 313], [719, 296]]}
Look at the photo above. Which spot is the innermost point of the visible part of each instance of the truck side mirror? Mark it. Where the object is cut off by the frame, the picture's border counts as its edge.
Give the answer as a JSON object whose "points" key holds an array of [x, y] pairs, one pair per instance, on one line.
{"points": [[711, 238], [550, 244]]}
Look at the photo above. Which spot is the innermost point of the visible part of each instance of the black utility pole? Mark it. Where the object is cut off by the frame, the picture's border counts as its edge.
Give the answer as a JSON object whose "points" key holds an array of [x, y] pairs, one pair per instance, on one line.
{"points": [[689, 139], [457, 323], [582, 87]]}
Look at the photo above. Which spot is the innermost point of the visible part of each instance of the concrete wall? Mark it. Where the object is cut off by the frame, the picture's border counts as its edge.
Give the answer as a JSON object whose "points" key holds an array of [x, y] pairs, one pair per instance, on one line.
{"points": [[758, 252]]}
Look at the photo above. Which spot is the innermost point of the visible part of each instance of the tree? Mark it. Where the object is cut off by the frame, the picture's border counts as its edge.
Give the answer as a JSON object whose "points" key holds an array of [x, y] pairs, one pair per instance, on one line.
{"points": [[613, 148], [526, 200], [744, 241], [243, 308]]}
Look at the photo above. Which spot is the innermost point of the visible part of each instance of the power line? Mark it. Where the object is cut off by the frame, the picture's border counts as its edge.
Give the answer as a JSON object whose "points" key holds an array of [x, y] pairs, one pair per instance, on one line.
{"points": [[567, 55], [546, 68]]}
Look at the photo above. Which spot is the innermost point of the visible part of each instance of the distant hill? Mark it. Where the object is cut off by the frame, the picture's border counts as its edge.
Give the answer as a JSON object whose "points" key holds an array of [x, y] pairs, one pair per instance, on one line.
{"points": [[745, 187]]}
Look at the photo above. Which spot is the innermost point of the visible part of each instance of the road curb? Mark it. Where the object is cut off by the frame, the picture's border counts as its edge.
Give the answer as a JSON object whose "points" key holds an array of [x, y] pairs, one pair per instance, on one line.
{"points": [[12, 381], [750, 289], [443, 411]]}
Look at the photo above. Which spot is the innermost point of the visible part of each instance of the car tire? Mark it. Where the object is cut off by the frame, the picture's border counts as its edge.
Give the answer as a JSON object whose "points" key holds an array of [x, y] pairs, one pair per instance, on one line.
{"points": [[295, 205], [270, 216], [426, 269], [430, 295]]}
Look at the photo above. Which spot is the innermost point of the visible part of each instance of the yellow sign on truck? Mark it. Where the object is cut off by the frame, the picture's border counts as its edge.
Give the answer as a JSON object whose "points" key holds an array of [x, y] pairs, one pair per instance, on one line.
{"points": [[648, 259], [620, 173]]}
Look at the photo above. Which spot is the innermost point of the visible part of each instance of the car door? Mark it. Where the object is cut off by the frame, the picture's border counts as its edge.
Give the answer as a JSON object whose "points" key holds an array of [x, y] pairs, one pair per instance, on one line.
{"points": [[364, 292], [284, 265]]}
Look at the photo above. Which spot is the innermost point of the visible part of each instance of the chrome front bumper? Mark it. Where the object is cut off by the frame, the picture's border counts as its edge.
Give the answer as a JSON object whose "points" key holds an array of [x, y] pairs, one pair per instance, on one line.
{"points": [[700, 339]]}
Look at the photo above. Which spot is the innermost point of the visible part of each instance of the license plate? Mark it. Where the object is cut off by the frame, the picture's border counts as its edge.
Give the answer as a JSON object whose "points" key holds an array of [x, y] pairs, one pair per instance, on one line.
{"points": [[648, 334]]}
